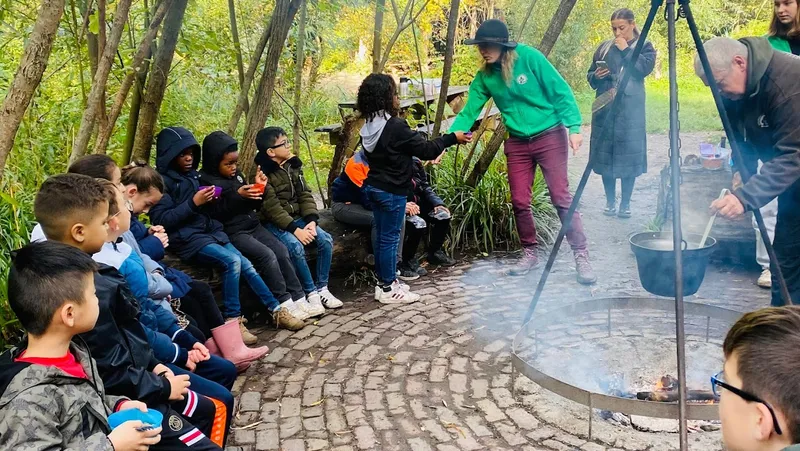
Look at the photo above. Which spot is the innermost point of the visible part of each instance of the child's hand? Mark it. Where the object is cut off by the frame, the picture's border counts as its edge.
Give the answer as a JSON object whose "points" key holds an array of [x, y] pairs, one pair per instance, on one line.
{"points": [[156, 229], [203, 196], [179, 386], [311, 227], [304, 236], [412, 208], [441, 208], [128, 437], [191, 362], [161, 368], [203, 350], [250, 192], [163, 237], [261, 177], [463, 138], [128, 405], [438, 159]]}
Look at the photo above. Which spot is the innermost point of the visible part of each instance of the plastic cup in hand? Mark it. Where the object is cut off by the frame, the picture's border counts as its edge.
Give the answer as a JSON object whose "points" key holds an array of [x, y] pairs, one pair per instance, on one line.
{"points": [[260, 187], [440, 214], [151, 418], [217, 190], [418, 222]]}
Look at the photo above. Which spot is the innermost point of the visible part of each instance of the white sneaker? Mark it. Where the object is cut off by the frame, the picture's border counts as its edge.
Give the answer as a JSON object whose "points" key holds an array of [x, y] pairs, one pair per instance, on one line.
{"points": [[328, 299], [297, 308], [397, 295], [765, 280], [315, 307], [378, 290]]}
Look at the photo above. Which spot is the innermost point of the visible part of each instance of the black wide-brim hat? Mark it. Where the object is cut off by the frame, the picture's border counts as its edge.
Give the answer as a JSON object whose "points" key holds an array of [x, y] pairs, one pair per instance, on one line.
{"points": [[492, 31]]}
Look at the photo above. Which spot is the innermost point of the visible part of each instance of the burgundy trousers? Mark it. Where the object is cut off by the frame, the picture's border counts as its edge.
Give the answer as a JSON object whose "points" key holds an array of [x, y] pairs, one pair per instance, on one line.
{"points": [[548, 150]]}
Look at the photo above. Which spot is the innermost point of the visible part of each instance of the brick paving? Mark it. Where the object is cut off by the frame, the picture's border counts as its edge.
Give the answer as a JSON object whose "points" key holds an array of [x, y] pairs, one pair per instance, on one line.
{"points": [[436, 375]]}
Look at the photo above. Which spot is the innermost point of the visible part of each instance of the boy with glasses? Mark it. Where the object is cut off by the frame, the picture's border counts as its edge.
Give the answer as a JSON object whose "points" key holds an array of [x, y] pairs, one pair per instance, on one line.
{"points": [[759, 397]]}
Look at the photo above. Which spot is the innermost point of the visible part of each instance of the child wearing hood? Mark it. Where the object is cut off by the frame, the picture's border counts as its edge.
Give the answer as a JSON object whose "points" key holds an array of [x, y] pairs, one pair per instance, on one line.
{"points": [[290, 212], [236, 210], [391, 145], [183, 212]]}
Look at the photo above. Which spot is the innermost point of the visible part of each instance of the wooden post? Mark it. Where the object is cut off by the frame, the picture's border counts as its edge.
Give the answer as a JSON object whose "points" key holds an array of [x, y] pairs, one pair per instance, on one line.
{"points": [[348, 139]]}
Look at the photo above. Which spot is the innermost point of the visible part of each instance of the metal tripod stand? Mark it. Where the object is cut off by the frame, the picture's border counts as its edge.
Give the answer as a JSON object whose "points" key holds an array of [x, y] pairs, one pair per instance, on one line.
{"points": [[675, 9]]}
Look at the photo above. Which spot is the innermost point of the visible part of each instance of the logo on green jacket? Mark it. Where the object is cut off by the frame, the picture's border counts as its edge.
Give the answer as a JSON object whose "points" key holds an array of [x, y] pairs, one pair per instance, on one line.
{"points": [[522, 79]]}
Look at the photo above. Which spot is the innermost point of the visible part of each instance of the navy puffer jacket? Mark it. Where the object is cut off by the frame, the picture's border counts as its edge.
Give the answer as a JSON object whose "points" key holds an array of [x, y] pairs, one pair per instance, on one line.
{"points": [[190, 228]]}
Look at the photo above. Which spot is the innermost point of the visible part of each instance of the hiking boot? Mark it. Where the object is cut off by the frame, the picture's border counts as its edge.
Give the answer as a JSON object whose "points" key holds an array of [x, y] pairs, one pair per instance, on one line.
{"points": [[396, 295], [765, 280], [624, 211], [585, 273], [406, 272], [328, 299], [527, 262], [283, 319], [610, 210], [441, 259], [247, 337]]}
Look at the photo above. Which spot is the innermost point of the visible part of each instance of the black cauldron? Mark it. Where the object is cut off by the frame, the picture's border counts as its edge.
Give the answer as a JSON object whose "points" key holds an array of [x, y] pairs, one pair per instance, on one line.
{"points": [[656, 261]]}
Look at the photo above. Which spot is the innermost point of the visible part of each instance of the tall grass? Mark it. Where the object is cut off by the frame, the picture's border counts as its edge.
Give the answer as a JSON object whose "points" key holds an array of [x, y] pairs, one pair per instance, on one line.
{"points": [[483, 219]]}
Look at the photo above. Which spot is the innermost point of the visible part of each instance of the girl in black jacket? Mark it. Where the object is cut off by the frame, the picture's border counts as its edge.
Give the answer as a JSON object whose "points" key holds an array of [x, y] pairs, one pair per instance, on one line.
{"points": [[391, 145]]}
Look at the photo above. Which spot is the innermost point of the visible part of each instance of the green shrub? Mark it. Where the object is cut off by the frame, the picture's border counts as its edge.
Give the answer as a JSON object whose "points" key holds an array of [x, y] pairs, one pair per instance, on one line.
{"points": [[483, 218]]}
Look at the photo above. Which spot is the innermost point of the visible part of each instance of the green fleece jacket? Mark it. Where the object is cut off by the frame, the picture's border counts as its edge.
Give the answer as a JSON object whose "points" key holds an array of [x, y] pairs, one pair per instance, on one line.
{"points": [[537, 99], [779, 43]]}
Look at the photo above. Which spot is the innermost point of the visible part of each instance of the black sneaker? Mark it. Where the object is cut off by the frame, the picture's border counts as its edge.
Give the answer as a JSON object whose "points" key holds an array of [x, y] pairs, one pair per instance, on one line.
{"points": [[414, 266], [610, 210], [624, 211], [405, 272], [440, 258]]}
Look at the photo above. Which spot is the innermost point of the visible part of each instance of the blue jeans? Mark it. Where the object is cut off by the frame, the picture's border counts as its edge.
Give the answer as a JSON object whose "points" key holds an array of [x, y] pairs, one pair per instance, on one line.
{"points": [[390, 212], [233, 264], [297, 252]]}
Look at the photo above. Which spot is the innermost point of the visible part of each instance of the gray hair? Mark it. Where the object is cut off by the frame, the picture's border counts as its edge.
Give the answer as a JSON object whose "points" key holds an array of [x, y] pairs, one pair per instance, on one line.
{"points": [[721, 51]]}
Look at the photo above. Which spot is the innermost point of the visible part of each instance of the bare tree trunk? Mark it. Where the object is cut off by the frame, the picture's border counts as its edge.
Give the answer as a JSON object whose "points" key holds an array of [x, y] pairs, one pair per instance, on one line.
{"points": [[282, 19], [138, 73], [28, 75], [242, 102], [313, 73], [452, 25], [157, 80], [556, 25], [348, 140], [96, 102], [299, 64], [486, 158], [76, 32], [402, 24], [237, 46], [380, 7]]}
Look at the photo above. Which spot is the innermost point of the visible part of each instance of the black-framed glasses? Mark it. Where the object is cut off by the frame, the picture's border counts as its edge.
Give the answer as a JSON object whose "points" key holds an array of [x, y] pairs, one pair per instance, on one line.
{"points": [[286, 144], [717, 381]]}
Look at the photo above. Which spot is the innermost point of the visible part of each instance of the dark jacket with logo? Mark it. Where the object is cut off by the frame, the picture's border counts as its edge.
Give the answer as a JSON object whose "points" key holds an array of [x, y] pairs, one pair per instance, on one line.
{"points": [[421, 190], [390, 163], [43, 407], [767, 122], [189, 226], [237, 214], [287, 196], [119, 343]]}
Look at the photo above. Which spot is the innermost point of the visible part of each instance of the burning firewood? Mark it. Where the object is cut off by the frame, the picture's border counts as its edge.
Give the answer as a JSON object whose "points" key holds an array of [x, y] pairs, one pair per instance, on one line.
{"points": [[673, 395]]}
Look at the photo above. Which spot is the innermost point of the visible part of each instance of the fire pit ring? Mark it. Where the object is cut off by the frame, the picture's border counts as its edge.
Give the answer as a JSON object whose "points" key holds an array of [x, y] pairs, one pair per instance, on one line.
{"points": [[601, 401]]}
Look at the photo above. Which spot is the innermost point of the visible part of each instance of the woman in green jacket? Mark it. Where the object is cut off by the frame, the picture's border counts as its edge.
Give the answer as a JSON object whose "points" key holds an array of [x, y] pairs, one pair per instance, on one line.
{"points": [[784, 30], [538, 108]]}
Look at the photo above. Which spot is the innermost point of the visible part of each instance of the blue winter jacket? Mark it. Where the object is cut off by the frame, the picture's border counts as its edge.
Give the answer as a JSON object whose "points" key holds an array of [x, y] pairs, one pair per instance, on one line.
{"points": [[190, 228], [169, 342], [149, 244]]}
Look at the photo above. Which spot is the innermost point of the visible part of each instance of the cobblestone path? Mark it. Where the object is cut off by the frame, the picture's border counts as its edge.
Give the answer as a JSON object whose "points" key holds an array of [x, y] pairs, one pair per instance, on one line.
{"points": [[436, 375]]}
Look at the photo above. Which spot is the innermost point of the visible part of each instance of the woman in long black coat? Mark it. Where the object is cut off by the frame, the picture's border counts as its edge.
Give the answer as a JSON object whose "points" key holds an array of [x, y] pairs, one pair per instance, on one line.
{"points": [[622, 154]]}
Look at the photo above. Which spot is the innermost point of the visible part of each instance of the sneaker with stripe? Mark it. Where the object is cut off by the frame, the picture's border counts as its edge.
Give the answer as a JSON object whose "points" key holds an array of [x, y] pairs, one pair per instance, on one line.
{"points": [[396, 295]]}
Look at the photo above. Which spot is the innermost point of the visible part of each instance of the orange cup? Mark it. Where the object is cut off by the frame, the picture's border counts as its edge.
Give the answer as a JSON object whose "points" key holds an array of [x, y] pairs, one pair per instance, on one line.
{"points": [[260, 187]]}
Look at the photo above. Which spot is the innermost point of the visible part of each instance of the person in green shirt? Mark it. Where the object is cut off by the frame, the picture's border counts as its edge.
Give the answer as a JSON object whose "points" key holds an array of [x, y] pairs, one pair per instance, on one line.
{"points": [[759, 397], [538, 108], [784, 30]]}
